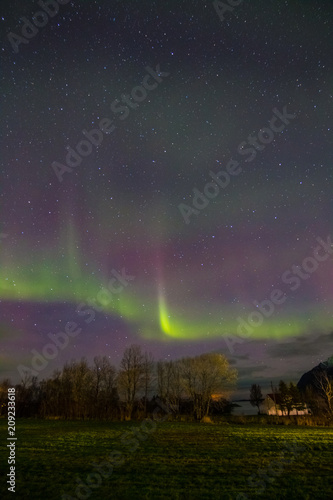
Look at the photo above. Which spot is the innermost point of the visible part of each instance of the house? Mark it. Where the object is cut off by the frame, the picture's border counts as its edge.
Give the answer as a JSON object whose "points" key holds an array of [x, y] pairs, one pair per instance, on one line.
{"points": [[273, 405]]}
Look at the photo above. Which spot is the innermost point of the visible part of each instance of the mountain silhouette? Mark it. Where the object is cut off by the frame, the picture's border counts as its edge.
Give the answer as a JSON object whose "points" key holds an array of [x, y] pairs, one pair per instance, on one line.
{"points": [[309, 378]]}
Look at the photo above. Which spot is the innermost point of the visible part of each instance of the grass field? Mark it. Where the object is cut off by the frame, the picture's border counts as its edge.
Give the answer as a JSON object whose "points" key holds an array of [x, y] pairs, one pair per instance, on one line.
{"points": [[173, 461]]}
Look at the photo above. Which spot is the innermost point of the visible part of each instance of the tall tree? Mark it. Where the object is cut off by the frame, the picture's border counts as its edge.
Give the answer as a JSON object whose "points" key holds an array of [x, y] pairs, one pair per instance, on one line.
{"points": [[169, 383], [205, 375], [131, 377], [148, 375], [256, 396], [104, 392], [285, 397], [296, 398], [52, 401]]}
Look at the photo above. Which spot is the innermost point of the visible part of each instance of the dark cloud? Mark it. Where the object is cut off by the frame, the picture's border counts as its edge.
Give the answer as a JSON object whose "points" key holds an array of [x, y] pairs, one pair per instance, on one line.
{"points": [[315, 344]]}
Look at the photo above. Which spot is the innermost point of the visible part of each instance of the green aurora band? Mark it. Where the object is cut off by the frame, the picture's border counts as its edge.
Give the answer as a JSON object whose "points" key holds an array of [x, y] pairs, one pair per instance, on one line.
{"points": [[60, 277]]}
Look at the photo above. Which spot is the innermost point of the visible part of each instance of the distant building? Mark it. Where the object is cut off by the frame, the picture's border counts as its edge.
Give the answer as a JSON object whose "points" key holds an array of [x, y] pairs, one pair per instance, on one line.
{"points": [[272, 405]]}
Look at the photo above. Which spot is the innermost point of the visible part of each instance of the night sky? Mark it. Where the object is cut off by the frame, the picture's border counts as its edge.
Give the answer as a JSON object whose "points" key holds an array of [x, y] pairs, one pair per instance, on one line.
{"points": [[177, 96]]}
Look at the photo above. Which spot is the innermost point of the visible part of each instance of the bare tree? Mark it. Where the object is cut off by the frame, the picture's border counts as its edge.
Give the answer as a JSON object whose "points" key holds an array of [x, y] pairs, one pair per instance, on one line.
{"points": [[169, 383], [325, 386], [52, 402], [176, 387], [148, 375], [104, 386], [76, 384], [66, 391], [82, 382], [131, 377], [163, 380]]}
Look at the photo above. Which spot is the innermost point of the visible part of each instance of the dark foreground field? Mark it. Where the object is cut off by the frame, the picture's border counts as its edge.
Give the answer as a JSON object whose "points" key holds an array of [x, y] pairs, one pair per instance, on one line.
{"points": [[171, 461]]}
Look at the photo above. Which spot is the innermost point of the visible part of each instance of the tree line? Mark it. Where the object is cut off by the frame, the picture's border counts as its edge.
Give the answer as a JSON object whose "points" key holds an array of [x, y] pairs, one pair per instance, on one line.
{"points": [[198, 386], [318, 397]]}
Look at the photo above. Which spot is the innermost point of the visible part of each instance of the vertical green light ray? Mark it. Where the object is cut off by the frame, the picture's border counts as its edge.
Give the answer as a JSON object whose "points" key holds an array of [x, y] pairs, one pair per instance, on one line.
{"points": [[163, 313]]}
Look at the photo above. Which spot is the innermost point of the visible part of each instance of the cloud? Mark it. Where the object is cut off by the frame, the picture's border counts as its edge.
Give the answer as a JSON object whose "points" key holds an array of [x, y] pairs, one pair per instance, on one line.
{"points": [[310, 345]]}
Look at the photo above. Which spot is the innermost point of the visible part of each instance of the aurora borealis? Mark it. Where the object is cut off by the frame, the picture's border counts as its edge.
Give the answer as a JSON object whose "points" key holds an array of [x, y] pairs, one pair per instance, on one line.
{"points": [[67, 245]]}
